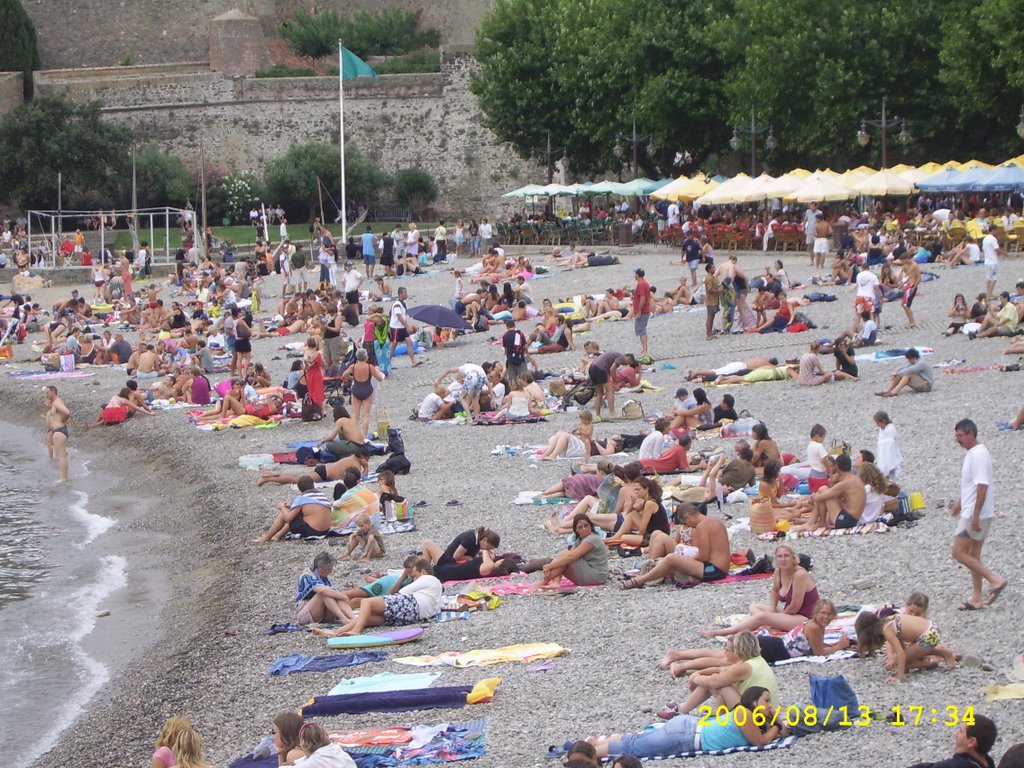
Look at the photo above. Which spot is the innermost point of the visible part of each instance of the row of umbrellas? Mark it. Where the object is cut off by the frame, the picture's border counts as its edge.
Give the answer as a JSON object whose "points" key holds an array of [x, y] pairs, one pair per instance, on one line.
{"points": [[803, 186]]}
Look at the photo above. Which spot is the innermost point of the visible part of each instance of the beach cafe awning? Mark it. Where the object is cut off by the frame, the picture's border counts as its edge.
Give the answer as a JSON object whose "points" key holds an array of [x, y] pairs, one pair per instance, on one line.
{"points": [[786, 183], [530, 190], [971, 180], [885, 182], [684, 188], [756, 187], [820, 187], [943, 181], [731, 191], [1005, 178]]}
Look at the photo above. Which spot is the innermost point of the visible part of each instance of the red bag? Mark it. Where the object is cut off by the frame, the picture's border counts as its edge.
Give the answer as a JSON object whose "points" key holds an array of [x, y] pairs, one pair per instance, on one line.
{"points": [[797, 328]]}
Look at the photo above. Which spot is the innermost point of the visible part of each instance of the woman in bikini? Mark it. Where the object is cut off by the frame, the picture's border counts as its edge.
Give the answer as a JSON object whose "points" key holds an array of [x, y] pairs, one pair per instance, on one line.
{"points": [[765, 448], [792, 586], [233, 404], [645, 516], [361, 375]]}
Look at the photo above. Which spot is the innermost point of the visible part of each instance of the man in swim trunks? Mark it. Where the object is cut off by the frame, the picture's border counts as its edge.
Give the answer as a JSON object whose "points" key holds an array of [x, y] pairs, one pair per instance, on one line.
{"points": [[321, 473], [309, 514], [711, 539], [911, 279], [57, 418], [841, 504], [822, 232]]}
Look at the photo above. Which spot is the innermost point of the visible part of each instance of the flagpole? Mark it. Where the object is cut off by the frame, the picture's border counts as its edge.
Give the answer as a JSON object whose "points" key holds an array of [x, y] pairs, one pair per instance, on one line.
{"points": [[341, 122]]}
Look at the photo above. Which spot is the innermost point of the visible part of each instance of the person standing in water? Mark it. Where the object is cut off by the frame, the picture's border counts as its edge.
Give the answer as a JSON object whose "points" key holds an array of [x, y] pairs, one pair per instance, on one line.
{"points": [[57, 418]]}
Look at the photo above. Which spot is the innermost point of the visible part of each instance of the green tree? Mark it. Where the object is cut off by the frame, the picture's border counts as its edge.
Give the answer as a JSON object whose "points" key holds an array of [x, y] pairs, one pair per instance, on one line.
{"points": [[20, 51], [982, 65], [162, 179], [415, 189], [291, 179], [313, 35], [388, 33], [52, 135], [583, 70], [815, 69]]}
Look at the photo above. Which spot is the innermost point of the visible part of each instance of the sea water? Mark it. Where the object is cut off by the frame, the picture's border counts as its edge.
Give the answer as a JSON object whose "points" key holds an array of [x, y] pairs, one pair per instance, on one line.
{"points": [[52, 583]]}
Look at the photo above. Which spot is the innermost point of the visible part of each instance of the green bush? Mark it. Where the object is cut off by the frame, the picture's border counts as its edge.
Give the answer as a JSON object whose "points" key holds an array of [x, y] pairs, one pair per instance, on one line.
{"points": [[416, 189], [417, 61], [283, 70]]}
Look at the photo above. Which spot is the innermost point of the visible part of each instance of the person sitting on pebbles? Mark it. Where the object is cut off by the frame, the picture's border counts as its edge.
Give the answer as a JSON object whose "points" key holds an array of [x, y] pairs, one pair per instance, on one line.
{"points": [[917, 374], [585, 563], [317, 599], [414, 603], [908, 640], [309, 514], [710, 561], [840, 505]]}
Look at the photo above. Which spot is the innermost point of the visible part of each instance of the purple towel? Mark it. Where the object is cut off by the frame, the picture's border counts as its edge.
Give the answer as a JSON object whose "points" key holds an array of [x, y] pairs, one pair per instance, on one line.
{"points": [[388, 701]]}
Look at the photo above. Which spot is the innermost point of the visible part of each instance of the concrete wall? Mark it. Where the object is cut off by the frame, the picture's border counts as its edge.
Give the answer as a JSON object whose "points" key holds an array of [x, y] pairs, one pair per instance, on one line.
{"points": [[12, 91], [90, 33], [429, 121]]}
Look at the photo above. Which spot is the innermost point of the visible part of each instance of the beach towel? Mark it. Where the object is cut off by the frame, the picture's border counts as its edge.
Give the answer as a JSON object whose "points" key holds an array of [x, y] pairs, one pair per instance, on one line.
{"points": [[522, 653], [837, 656], [777, 744], [490, 419], [888, 354], [384, 682], [687, 584], [876, 527], [48, 375], [530, 587], [400, 746], [390, 701], [444, 616], [295, 663]]}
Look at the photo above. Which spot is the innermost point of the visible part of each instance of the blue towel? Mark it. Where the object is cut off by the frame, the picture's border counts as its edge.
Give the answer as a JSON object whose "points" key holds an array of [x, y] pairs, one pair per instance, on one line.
{"points": [[299, 663], [388, 701]]}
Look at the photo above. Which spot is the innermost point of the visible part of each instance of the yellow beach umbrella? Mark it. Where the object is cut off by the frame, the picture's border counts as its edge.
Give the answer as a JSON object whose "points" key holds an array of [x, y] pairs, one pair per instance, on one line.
{"points": [[755, 190], [730, 191], [685, 188], [976, 164], [885, 182], [1018, 161], [819, 187]]}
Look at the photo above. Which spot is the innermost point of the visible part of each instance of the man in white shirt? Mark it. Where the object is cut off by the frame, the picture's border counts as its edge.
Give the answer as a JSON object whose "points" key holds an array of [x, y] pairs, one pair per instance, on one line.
{"points": [[990, 249], [401, 327], [486, 233], [868, 298], [810, 220], [352, 279], [654, 444], [673, 214], [975, 509]]}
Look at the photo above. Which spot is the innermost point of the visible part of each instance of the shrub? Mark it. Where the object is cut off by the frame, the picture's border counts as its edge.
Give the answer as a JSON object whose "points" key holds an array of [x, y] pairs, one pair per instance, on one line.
{"points": [[417, 61], [283, 70], [416, 189]]}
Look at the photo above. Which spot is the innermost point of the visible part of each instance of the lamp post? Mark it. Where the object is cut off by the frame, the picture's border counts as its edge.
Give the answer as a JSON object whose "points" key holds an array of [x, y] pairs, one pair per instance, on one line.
{"points": [[753, 131], [635, 141], [1020, 124], [863, 137], [549, 155]]}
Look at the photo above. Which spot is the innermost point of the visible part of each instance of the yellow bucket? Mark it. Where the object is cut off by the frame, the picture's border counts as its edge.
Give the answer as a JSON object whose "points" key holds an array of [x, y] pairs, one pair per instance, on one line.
{"points": [[383, 422], [917, 501]]}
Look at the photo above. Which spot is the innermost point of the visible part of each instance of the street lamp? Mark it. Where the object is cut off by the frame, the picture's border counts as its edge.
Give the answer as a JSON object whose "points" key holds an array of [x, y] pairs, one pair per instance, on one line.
{"points": [[549, 155], [753, 131], [863, 137], [1020, 125], [635, 141]]}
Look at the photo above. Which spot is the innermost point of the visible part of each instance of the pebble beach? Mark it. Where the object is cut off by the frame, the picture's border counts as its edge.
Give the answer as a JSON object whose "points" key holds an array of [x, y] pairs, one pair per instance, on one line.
{"points": [[202, 655]]}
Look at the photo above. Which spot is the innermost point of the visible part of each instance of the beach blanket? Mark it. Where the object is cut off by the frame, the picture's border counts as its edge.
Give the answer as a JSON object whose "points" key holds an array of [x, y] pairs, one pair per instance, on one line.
{"points": [[837, 656], [390, 701], [384, 682], [491, 419], [687, 584], [523, 653], [888, 354], [785, 743], [876, 527], [400, 746], [530, 587], [295, 663], [48, 375]]}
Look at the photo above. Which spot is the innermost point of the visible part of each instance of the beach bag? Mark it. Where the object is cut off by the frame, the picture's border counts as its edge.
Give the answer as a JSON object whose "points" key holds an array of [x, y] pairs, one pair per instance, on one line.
{"points": [[311, 411], [632, 409], [115, 414], [398, 511], [396, 443], [834, 701], [67, 363], [306, 456], [50, 362], [630, 442]]}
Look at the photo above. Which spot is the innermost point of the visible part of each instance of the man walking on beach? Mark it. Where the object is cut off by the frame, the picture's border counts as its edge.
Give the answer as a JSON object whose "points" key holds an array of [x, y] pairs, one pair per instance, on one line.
{"points": [[976, 507], [57, 417], [641, 311]]}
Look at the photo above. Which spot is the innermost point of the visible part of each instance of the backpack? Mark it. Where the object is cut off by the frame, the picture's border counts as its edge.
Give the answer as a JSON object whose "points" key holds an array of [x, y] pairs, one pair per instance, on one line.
{"points": [[396, 463], [396, 443], [517, 355]]}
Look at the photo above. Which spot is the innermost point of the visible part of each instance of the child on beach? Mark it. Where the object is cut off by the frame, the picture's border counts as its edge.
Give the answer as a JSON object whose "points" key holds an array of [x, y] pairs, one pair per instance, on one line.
{"points": [[367, 537], [163, 757], [388, 584], [286, 737], [316, 598], [188, 750], [320, 751], [908, 641]]}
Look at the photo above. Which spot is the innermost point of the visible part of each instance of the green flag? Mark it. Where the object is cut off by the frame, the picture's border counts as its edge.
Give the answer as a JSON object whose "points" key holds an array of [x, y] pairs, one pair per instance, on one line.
{"points": [[352, 66]]}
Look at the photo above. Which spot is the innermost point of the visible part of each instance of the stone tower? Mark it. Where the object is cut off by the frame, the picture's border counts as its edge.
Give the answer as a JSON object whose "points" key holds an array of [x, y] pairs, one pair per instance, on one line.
{"points": [[237, 45]]}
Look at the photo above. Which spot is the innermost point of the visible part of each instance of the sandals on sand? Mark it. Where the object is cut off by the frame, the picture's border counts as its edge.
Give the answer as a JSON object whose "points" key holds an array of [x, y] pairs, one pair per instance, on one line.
{"points": [[969, 606], [995, 592], [630, 584]]}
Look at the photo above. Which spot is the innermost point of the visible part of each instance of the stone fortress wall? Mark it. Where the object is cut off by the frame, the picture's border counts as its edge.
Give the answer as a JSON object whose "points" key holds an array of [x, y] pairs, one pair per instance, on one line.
{"points": [[429, 121]]}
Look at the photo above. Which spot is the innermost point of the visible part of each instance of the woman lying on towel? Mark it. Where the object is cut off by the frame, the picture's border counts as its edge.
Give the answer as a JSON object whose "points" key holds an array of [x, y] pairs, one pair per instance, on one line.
{"points": [[585, 563], [751, 723], [793, 586], [807, 639], [469, 556]]}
